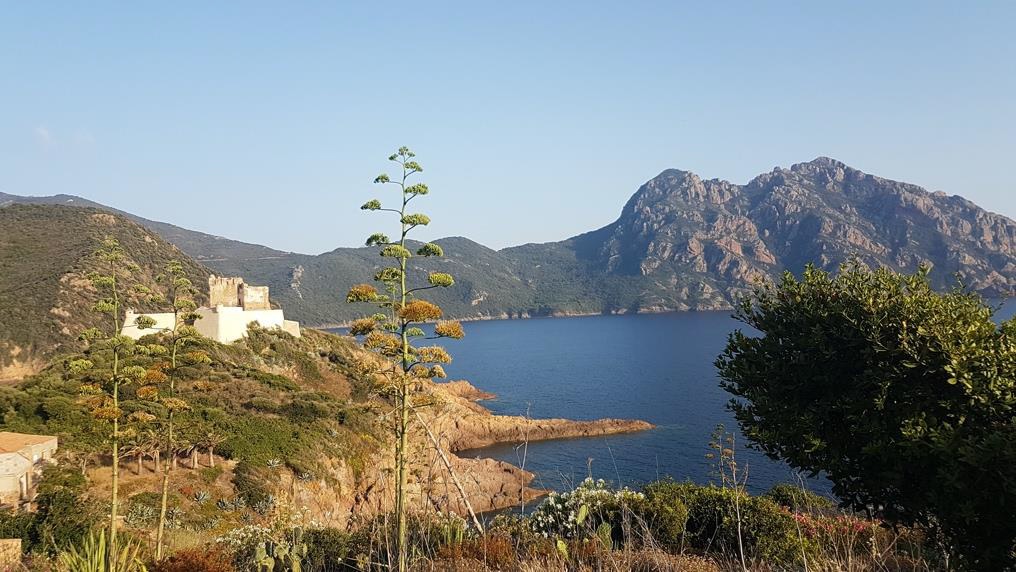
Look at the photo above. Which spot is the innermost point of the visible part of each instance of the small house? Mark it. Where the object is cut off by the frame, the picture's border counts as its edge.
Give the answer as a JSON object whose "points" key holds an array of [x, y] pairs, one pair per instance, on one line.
{"points": [[22, 457]]}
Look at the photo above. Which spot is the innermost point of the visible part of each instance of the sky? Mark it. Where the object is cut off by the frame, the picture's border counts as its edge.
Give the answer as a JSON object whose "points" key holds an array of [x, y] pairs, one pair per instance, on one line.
{"points": [[534, 121]]}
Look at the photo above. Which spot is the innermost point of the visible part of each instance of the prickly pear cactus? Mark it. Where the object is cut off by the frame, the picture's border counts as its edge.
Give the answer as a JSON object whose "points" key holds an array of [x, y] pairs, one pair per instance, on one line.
{"points": [[264, 561], [282, 557]]}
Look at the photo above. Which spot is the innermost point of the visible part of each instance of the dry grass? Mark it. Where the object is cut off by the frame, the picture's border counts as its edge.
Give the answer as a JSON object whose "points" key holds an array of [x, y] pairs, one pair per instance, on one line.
{"points": [[647, 560]]}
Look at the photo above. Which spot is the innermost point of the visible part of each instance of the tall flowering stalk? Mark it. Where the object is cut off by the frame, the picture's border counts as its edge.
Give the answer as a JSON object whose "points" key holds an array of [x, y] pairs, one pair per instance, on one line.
{"points": [[393, 332], [115, 282], [181, 293]]}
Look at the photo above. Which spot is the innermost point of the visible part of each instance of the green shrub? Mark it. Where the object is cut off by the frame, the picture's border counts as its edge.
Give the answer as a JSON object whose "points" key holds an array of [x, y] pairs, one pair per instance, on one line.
{"points": [[210, 474], [18, 525], [798, 499], [767, 530], [665, 514], [327, 549], [902, 395], [305, 411], [273, 381], [580, 513], [62, 517], [251, 482], [262, 405]]}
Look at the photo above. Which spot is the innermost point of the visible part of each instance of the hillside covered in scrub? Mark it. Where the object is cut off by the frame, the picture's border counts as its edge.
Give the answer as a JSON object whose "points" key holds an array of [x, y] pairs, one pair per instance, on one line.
{"points": [[46, 254]]}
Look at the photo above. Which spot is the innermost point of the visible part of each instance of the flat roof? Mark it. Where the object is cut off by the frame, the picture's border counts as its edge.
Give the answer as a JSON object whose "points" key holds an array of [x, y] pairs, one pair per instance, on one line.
{"points": [[14, 442]]}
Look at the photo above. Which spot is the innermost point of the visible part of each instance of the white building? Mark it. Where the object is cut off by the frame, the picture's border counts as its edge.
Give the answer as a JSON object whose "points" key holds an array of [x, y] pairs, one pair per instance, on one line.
{"points": [[233, 305], [22, 457]]}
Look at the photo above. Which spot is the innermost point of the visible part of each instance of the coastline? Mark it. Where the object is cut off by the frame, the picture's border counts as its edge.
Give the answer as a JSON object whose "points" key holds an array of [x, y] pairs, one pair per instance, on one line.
{"points": [[466, 426], [457, 422], [328, 327]]}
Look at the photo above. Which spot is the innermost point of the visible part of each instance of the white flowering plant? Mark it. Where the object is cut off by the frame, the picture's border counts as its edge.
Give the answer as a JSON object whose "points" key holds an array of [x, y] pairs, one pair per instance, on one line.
{"points": [[582, 512], [243, 542]]}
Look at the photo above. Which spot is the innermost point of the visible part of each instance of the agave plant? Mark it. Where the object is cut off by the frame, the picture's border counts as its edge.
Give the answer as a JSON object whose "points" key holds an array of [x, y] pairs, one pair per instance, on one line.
{"points": [[265, 505], [201, 497], [92, 556]]}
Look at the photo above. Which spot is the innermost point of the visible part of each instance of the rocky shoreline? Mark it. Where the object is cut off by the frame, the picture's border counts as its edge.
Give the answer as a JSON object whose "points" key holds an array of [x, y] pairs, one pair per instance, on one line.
{"points": [[458, 423], [465, 425]]}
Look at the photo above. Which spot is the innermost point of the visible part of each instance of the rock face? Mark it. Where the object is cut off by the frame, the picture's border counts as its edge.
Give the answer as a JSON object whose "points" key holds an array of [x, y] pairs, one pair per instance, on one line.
{"points": [[682, 242], [457, 423]]}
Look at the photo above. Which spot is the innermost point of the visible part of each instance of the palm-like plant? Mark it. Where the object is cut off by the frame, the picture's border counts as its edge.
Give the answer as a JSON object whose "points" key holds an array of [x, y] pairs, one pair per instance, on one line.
{"points": [[209, 441], [134, 447], [93, 555]]}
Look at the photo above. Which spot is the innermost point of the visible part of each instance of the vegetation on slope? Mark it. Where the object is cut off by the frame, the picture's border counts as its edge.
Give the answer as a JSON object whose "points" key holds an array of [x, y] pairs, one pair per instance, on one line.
{"points": [[272, 397], [46, 254]]}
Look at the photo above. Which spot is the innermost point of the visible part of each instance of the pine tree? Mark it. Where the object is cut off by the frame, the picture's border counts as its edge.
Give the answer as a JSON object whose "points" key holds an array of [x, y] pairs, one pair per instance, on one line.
{"points": [[392, 332]]}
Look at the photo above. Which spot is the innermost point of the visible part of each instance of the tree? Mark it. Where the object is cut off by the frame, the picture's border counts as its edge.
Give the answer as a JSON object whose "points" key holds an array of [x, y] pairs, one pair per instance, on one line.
{"points": [[180, 296], [902, 396], [209, 441], [392, 332], [115, 282]]}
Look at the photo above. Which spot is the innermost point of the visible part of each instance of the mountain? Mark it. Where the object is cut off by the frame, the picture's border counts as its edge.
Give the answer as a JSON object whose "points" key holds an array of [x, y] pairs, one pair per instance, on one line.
{"points": [[680, 243], [686, 243], [45, 257], [198, 245]]}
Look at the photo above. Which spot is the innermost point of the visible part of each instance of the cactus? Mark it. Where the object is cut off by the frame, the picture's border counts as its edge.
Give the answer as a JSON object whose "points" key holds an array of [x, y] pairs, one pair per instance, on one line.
{"points": [[583, 513], [282, 556], [604, 533], [562, 549]]}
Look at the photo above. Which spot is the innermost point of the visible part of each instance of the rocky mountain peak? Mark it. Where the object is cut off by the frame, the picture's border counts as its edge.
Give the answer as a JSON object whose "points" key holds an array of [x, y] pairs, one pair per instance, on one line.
{"points": [[820, 212]]}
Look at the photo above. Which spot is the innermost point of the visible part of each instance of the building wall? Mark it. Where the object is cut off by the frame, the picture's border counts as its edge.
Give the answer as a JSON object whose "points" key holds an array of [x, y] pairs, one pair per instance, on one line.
{"points": [[10, 489], [224, 291], [227, 324], [14, 469], [40, 452], [163, 322], [254, 297]]}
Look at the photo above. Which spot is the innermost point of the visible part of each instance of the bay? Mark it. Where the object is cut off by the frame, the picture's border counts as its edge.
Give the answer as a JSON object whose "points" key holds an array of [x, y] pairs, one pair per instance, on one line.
{"points": [[655, 367]]}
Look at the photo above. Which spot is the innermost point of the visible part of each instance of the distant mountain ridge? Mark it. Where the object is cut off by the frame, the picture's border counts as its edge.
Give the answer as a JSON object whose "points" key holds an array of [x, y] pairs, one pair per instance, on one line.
{"points": [[198, 245], [680, 243]]}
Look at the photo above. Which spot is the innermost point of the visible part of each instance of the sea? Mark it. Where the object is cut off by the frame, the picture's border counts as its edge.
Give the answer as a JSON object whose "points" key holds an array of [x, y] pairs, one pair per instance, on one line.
{"points": [[655, 367]]}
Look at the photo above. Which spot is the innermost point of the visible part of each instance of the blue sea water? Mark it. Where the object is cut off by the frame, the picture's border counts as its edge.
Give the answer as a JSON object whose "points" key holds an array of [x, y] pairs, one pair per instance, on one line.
{"points": [[654, 367]]}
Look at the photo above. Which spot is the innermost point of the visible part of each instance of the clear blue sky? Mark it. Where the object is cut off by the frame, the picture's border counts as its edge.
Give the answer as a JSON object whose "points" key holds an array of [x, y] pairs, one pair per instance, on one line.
{"points": [[534, 120]]}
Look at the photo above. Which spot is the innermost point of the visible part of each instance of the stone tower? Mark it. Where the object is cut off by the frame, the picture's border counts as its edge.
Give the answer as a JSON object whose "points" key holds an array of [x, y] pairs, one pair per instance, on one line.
{"points": [[224, 291], [233, 292]]}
